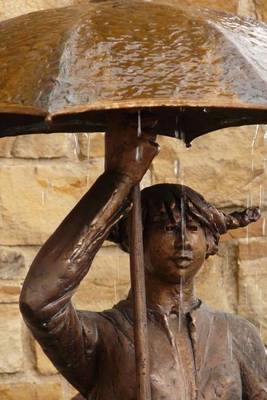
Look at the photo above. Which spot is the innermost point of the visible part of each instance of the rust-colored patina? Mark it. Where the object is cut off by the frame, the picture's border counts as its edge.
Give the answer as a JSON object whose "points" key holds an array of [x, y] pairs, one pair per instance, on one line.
{"points": [[59, 69]]}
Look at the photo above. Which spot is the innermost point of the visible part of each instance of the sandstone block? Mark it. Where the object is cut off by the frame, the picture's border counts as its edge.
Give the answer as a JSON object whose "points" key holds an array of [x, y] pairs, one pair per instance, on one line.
{"points": [[252, 280], [253, 249], [43, 364], [31, 391], [11, 351], [12, 9], [56, 145], [92, 145], [228, 178], [6, 144], [9, 292], [107, 282], [12, 262], [34, 199], [261, 9]]}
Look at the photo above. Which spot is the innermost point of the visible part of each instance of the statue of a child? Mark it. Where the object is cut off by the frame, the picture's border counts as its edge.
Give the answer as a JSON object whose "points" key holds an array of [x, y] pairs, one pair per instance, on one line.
{"points": [[196, 353]]}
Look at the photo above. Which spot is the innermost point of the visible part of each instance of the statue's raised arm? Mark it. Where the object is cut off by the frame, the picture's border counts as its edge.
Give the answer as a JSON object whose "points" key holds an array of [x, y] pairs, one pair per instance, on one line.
{"points": [[64, 260]]}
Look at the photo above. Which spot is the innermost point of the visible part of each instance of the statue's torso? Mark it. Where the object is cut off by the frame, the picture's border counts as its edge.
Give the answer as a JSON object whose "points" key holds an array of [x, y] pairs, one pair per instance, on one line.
{"points": [[189, 360]]}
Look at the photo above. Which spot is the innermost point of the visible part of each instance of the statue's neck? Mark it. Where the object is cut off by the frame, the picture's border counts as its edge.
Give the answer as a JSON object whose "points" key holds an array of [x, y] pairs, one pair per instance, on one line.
{"points": [[168, 297]]}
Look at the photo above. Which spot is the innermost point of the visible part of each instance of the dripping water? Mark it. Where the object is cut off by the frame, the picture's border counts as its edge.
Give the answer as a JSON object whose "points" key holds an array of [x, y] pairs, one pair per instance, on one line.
{"points": [[180, 303], [76, 148], [88, 158], [138, 154], [264, 227], [230, 342]]}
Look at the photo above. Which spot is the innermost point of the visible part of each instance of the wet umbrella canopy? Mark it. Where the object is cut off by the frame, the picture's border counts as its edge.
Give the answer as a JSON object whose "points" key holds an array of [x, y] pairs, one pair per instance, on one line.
{"points": [[61, 68], [191, 71]]}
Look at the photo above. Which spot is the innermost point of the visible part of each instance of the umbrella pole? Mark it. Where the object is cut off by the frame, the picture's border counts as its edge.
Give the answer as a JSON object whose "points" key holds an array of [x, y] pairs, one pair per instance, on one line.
{"points": [[112, 138], [139, 297]]}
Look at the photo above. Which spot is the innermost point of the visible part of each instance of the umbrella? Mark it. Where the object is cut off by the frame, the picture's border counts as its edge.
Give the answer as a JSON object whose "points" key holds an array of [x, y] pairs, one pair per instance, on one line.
{"points": [[77, 68], [69, 68]]}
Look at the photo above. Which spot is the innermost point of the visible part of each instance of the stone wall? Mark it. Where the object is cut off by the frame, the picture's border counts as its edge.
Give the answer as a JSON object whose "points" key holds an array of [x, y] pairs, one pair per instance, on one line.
{"points": [[42, 177]]}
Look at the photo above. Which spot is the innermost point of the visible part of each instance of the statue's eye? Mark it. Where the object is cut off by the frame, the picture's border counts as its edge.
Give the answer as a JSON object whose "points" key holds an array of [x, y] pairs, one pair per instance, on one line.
{"points": [[170, 228], [192, 227]]}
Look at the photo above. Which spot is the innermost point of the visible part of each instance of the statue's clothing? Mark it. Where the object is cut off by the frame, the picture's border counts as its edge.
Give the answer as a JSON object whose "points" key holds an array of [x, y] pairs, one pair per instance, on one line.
{"points": [[203, 355]]}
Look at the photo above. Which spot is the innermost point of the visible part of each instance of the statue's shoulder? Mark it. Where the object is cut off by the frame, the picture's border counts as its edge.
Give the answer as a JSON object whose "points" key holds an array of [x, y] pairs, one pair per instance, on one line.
{"points": [[117, 319], [240, 327], [234, 322]]}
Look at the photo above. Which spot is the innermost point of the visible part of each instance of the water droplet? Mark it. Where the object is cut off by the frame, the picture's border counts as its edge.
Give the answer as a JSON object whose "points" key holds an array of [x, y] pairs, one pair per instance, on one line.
{"points": [[255, 137], [43, 197], [138, 154], [261, 195], [264, 227], [139, 125], [77, 149], [176, 167]]}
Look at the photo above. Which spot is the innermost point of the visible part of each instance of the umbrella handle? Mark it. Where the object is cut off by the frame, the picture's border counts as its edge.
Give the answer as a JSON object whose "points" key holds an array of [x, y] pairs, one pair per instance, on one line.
{"points": [[112, 138], [139, 297]]}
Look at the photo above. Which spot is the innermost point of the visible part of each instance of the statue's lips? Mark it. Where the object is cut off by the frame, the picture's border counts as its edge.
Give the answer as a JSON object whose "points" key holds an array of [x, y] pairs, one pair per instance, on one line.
{"points": [[183, 260]]}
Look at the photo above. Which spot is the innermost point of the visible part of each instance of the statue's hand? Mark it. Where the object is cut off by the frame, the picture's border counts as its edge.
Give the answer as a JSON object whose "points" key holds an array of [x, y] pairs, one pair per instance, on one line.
{"points": [[134, 154]]}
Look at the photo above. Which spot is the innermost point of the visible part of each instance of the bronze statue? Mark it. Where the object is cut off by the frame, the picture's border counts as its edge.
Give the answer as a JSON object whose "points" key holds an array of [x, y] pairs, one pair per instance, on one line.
{"points": [[196, 353]]}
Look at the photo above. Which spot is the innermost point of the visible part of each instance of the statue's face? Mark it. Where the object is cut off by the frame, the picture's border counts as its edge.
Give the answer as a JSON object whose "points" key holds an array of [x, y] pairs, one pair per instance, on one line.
{"points": [[174, 250]]}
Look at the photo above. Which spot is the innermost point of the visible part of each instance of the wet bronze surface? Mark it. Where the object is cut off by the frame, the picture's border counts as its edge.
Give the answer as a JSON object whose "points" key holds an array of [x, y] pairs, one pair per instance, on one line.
{"points": [[196, 353], [130, 54]]}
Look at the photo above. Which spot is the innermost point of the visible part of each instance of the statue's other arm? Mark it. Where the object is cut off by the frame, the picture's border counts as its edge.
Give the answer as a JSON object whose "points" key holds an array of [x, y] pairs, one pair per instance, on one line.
{"points": [[252, 360], [64, 260]]}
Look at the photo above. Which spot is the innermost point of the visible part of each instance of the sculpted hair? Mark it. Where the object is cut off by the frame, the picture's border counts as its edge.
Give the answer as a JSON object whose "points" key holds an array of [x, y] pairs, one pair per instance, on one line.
{"points": [[159, 200]]}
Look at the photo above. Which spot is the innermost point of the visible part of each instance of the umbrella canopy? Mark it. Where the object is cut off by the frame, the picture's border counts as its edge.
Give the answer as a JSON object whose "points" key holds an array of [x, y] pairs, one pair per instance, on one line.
{"points": [[68, 69]]}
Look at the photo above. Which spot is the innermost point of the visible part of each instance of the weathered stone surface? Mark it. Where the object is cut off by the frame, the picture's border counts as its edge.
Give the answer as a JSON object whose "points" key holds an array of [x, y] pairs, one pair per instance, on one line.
{"points": [[106, 283], [31, 391], [9, 292], [219, 165], [6, 147], [247, 8], [216, 282], [35, 199], [11, 351], [253, 249], [261, 9], [43, 364], [56, 145], [252, 280], [92, 145], [12, 9], [12, 262]]}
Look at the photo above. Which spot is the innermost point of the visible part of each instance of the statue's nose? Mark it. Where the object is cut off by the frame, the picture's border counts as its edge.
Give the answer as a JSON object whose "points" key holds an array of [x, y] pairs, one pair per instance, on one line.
{"points": [[182, 241]]}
